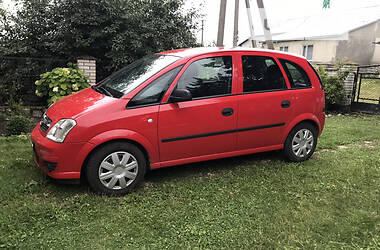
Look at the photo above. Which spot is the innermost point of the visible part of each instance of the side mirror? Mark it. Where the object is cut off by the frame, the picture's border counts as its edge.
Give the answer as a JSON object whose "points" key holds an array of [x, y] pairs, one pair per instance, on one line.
{"points": [[180, 95]]}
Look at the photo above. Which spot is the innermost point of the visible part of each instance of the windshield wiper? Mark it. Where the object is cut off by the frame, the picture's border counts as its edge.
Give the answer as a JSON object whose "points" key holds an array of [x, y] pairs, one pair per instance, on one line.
{"points": [[102, 90]]}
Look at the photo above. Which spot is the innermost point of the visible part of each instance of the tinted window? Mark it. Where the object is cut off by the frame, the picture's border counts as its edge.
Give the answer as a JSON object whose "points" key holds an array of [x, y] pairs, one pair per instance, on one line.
{"points": [[128, 78], [208, 77], [154, 92], [296, 75], [261, 73]]}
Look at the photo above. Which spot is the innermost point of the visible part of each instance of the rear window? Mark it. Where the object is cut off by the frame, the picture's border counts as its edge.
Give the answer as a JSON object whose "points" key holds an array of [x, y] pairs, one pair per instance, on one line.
{"points": [[297, 76]]}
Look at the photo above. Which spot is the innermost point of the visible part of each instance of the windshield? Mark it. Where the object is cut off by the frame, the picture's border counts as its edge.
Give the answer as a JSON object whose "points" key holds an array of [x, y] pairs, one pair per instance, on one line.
{"points": [[136, 73]]}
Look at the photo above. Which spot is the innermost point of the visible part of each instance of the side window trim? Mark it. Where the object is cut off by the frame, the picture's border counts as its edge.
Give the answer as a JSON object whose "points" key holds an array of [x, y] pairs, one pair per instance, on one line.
{"points": [[172, 78]]}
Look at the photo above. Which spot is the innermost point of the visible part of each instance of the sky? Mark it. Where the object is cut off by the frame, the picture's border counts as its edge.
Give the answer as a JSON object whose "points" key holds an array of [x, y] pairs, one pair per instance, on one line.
{"points": [[277, 12]]}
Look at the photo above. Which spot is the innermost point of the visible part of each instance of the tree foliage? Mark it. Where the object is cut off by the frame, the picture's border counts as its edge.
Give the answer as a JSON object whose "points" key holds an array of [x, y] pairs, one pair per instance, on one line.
{"points": [[115, 32]]}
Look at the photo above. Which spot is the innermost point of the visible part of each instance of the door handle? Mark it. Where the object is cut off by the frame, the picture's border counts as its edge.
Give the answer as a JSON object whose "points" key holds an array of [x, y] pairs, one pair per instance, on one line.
{"points": [[285, 104], [227, 112]]}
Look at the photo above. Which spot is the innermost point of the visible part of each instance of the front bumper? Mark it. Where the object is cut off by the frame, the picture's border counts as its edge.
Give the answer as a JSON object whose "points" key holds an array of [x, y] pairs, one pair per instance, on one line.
{"points": [[59, 160]]}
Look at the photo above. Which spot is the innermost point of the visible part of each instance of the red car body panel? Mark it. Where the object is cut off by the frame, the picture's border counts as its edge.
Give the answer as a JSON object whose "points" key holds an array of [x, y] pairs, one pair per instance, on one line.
{"points": [[183, 132]]}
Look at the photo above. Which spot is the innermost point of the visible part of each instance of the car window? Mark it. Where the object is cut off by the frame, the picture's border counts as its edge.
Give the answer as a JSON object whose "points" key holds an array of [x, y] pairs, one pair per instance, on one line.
{"points": [[296, 75], [261, 73], [208, 77], [154, 92]]}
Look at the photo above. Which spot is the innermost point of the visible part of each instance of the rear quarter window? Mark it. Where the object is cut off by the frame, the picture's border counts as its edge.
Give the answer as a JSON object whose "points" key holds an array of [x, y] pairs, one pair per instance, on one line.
{"points": [[297, 76]]}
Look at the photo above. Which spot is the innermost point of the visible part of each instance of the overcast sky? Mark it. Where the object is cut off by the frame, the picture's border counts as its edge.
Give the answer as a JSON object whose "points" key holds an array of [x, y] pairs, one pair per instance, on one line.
{"points": [[277, 11]]}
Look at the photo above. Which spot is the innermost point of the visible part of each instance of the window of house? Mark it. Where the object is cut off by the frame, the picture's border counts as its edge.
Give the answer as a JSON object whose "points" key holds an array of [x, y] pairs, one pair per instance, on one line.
{"points": [[208, 77], [296, 75], [284, 48], [154, 92], [261, 73], [308, 52]]}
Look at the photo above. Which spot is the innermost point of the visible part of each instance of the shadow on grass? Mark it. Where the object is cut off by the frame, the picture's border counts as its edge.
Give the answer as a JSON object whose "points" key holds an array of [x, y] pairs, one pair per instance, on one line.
{"points": [[213, 166], [175, 173]]}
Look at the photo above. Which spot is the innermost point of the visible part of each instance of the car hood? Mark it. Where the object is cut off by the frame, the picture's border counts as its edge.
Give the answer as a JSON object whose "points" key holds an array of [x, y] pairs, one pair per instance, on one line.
{"points": [[77, 104]]}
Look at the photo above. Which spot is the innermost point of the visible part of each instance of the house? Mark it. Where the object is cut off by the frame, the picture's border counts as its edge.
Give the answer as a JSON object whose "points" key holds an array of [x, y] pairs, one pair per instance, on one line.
{"points": [[352, 35]]}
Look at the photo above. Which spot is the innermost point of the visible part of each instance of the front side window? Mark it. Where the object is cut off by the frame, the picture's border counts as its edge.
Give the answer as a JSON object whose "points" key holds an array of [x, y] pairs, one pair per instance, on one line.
{"points": [[261, 73], [130, 77], [154, 92], [208, 77], [296, 75]]}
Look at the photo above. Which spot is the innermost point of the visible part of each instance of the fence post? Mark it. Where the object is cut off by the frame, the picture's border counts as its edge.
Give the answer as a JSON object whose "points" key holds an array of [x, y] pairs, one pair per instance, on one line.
{"points": [[88, 66]]}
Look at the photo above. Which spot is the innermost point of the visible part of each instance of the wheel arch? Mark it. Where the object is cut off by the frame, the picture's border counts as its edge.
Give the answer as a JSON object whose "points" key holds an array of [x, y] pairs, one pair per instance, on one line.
{"points": [[131, 137], [308, 118]]}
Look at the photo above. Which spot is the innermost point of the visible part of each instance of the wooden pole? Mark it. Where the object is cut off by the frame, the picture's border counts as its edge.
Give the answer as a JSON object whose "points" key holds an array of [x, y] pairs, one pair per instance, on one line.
{"points": [[202, 33], [264, 21], [222, 16], [236, 23], [247, 5]]}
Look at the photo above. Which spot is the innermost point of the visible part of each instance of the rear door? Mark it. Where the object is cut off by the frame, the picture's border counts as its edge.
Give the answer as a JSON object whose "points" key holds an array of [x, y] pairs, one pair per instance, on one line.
{"points": [[265, 107], [204, 125]]}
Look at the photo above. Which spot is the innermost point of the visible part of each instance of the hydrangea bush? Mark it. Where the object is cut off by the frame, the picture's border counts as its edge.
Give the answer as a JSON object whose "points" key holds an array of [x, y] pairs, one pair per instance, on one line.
{"points": [[61, 82]]}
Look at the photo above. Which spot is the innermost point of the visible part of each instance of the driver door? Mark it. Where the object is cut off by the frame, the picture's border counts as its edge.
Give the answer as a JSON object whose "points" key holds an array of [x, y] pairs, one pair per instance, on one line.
{"points": [[204, 125]]}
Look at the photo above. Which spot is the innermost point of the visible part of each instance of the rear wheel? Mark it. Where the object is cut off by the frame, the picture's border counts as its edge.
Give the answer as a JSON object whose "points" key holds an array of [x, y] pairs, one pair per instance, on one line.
{"points": [[116, 168], [301, 142]]}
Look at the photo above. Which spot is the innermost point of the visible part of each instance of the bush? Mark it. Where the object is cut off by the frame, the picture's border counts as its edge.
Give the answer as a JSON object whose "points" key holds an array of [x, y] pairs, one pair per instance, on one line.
{"points": [[61, 82], [333, 86], [17, 125]]}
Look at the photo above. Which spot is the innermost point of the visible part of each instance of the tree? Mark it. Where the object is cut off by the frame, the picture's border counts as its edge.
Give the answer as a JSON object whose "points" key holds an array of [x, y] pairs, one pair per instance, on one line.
{"points": [[115, 32]]}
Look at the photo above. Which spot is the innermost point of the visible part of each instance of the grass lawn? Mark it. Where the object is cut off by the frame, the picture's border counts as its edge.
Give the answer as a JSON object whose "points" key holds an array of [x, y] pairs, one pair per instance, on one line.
{"points": [[255, 201]]}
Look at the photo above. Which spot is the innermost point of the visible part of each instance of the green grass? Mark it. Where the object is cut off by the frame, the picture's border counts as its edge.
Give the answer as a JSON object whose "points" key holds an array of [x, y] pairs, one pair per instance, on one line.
{"points": [[256, 201]]}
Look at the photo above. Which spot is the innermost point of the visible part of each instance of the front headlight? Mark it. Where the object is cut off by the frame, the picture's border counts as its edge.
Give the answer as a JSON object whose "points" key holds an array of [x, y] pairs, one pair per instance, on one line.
{"points": [[59, 131]]}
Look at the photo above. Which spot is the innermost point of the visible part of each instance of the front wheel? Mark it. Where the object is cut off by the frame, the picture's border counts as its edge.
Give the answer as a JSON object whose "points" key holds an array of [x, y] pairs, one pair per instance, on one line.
{"points": [[301, 142], [116, 168]]}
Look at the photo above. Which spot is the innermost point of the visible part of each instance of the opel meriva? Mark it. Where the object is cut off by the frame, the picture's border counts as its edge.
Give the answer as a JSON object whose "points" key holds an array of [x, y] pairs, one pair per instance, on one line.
{"points": [[178, 107]]}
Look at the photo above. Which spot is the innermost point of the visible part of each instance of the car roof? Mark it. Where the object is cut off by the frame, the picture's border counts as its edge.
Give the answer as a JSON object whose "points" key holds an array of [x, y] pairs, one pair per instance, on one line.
{"points": [[191, 52]]}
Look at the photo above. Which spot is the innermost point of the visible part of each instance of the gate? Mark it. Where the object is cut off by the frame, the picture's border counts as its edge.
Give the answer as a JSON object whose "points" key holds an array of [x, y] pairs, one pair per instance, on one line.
{"points": [[366, 92]]}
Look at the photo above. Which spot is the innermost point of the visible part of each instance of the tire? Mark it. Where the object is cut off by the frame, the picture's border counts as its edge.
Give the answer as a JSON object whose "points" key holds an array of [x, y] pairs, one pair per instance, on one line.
{"points": [[116, 168], [301, 142]]}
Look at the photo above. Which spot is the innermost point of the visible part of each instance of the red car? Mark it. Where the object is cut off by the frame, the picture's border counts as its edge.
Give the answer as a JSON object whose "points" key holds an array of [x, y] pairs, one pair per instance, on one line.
{"points": [[178, 107]]}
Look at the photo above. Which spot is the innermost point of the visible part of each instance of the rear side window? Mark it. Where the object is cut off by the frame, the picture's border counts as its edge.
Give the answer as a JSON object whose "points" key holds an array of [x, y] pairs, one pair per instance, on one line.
{"points": [[154, 92], [208, 77], [297, 76], [261, 73]]}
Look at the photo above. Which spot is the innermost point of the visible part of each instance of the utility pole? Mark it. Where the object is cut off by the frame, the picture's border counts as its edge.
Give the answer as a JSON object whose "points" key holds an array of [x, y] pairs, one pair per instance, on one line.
{"points": [[264, 21], [202, 33], [222, 16], [247, 5], [236, 23]]}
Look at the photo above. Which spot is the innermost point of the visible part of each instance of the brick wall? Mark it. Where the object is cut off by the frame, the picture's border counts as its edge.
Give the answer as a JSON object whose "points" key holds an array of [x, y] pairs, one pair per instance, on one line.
{"points": [[88, 66]]}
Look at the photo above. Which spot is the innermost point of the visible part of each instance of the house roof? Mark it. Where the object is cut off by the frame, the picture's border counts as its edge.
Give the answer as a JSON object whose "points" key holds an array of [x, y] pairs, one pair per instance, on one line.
{"points": [[327, 25]]}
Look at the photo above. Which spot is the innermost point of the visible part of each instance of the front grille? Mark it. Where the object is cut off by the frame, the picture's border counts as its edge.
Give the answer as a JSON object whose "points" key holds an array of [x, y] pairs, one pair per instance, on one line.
{"points": [[45, 123]]}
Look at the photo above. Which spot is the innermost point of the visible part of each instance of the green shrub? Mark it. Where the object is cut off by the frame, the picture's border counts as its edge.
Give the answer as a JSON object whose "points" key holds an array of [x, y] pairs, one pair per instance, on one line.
{"points": [[17, 125], [60, 82], [333, 86]]}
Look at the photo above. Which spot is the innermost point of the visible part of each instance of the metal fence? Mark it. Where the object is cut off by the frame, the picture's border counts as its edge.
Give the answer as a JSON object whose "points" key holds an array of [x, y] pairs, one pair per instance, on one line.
{"points": [[367, 88], [18, 75]]}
